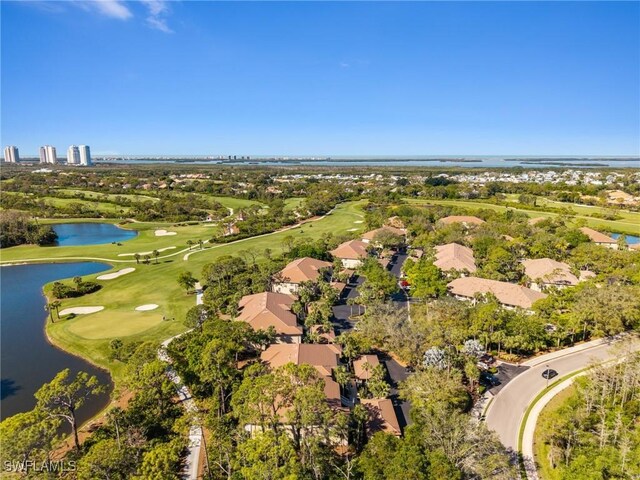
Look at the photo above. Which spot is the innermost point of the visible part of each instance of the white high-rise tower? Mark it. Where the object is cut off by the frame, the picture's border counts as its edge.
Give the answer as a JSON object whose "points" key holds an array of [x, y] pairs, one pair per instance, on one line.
{"points": [[11, 154], [48, 154], [73, 155], [85, 155]]}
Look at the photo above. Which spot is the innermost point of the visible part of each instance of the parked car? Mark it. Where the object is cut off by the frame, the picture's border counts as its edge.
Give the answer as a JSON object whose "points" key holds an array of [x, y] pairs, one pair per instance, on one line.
{"points": [[489, 380], [549, 373]]}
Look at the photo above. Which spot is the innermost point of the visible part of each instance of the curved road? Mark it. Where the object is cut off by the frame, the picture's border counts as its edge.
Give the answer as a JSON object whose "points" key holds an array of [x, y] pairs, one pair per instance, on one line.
{"points": [[506, 411]]}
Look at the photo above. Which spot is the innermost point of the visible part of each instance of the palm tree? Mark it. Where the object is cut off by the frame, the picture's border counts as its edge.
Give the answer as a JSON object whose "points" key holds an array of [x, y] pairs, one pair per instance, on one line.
{"points": [[137, 257], [200, 242], [56, 304], [49, 309], [147, 259], [156, 254], [189, 244], [78, 282]]}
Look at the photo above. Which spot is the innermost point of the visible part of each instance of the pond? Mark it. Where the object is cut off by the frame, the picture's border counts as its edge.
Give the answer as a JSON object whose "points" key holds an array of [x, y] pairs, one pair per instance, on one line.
{"points": [[70, 234], [631, 239], [27, 359]]}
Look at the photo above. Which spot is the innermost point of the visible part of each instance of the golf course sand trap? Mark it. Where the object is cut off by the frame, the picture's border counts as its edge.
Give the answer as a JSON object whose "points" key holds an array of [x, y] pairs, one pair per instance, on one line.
{"points": [[147, 307], [359, 221], [353, 229], [119, 273], [164, 233], [80, 310], [145, 253]]}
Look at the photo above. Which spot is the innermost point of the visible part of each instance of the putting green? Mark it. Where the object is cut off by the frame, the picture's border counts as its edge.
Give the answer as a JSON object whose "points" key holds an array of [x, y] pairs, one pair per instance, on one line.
{"points": [[114, 324]]}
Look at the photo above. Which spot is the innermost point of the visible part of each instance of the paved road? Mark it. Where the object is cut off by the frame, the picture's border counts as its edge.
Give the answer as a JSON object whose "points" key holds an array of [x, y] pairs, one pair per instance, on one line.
{"points": [[507, 409]]}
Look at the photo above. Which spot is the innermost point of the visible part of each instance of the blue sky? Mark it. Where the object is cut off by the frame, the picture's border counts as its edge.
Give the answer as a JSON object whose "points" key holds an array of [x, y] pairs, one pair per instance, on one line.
{"points": [[333, 78]]}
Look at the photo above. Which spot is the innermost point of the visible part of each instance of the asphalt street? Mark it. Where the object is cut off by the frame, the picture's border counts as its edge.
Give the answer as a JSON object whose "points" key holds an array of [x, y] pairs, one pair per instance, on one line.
{"points": [[506, 411]]}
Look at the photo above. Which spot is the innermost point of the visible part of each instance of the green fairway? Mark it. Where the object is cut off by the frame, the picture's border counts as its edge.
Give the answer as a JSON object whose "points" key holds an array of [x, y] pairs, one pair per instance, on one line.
{"points": [[89, 335], [88, 194], [630, 224]]}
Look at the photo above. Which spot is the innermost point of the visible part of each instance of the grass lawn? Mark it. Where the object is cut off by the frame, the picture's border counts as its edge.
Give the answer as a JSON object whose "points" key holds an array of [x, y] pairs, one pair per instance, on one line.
{"points": [[229, 202], [89, 335], [292, 203], [628, 225], [540, 449]]}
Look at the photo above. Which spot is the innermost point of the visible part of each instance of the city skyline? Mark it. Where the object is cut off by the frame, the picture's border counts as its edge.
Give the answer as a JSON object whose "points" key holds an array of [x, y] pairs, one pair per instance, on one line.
{"points": [[324, 79]]}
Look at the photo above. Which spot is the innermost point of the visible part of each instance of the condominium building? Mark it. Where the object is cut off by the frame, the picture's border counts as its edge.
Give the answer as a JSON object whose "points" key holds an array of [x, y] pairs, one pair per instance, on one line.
{"points": [[11, 154], [85, 155], [48, 154], [73, 155]]}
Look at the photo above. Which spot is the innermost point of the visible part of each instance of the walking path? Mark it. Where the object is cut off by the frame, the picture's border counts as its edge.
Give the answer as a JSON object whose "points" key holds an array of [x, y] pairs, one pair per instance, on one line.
{"points": [[192, 460]]}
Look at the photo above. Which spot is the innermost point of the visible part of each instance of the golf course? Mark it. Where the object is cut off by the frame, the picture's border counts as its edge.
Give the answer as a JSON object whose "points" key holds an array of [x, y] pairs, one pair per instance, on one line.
{"points": [[154, 283]]}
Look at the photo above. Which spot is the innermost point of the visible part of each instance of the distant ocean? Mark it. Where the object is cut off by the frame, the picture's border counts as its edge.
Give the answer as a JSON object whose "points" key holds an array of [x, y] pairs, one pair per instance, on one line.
{"points": [[400, 161]]}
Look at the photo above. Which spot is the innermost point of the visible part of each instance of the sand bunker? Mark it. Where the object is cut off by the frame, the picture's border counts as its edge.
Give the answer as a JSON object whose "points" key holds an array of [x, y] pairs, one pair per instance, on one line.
{"points": [[119, 273], [147, 307], [164, 233], [80, 310], [145, 253], [359, 221], [353, 229]]}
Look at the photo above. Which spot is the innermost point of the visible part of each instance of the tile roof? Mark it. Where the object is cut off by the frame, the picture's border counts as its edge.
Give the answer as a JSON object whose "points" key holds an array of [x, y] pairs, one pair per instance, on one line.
{"points": [[506, 293], [267, 309], [596, 236], [361, 371], [461, 219], [372, 233], [303, 270], [323, 357], [353, 249], [453, 256], [382, 416], [549, 271]]}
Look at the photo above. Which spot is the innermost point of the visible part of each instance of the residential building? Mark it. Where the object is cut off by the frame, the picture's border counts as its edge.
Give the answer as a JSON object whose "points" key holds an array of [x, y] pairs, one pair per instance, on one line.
{"points": [[454, 256], [600, 238], [267, 309], [11, 154], [43, 155], [305, 269], [363, 366], [509, 295], [85, 155], [369, 236], [351, 253], [465, 220], [73, 155], [545, 272], [381, 416]]}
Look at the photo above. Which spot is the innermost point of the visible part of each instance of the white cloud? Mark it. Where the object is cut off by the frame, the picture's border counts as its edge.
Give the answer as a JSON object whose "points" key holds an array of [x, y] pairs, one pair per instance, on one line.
{"points": [[344, 65], [108, 8], [157, 13]]}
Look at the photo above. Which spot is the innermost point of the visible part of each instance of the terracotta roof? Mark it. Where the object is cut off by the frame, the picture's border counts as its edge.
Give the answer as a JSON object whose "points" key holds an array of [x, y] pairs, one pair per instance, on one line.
{"points": [[596, 236], [329, 336], [533, 221], [323, 357], [506, 293], [361, 371], [395, 221], [382, 416], [586, 274], [461, 219], [634, 246], [303, 270], [453, 256], [339, 286], [353, 249], [398, 231], [267, 309], [549, 271]]}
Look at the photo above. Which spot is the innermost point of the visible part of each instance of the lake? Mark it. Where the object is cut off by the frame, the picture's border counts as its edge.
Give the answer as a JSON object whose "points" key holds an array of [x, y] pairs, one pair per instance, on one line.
{"points": [[70, 234], [27, 359]]}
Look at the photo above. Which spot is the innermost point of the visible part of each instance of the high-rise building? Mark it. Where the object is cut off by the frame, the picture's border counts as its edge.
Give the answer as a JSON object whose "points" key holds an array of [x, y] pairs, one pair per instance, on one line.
{"points": [[85, 155], [73, 155], [50, 154], [43, 155], [11, 154]]}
